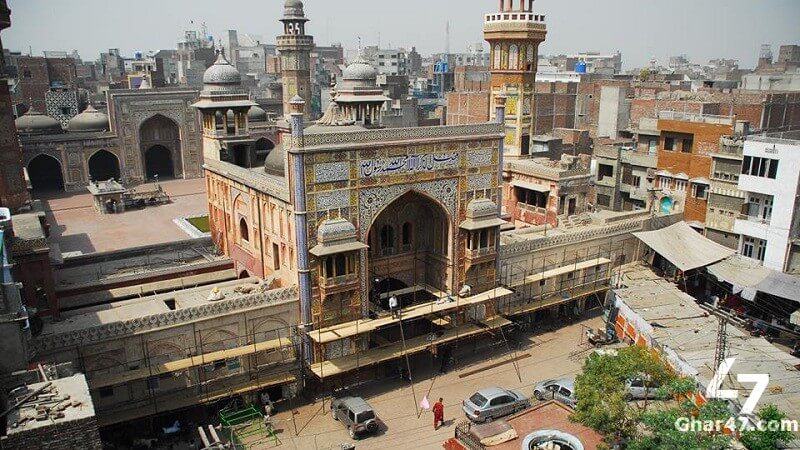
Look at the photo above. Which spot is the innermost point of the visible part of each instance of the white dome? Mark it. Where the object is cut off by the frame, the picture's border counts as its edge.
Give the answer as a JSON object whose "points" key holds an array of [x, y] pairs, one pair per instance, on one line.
{"points": [[222, 72], [89, 120], [359, 70]]}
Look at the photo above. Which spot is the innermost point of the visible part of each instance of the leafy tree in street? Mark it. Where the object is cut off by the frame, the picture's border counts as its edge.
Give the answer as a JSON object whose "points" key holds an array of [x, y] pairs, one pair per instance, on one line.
{"points": [[765, 438]]}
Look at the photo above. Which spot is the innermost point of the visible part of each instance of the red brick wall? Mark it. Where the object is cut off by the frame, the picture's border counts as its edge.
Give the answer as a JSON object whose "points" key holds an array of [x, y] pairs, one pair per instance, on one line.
{"points": [[467, 107], [33, 87]]}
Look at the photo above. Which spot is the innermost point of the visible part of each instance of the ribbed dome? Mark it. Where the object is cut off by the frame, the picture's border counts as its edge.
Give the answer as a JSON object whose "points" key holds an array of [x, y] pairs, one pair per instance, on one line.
{"points": [[222, 72], [256, 114], [89, 120], [274, 164], [34, 122], [359, 70]]}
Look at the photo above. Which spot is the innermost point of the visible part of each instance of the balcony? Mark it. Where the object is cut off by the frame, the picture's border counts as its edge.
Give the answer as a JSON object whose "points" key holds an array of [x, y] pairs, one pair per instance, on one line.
{"points": [[480, 253], [338, 282]]}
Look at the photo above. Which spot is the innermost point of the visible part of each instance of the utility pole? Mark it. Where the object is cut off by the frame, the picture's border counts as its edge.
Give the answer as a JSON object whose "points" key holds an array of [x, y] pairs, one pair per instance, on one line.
{"points": [[722, 342]]}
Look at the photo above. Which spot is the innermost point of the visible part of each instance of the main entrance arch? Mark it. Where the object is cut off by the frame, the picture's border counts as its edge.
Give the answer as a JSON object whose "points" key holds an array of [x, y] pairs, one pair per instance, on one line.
{"points": [[409, 242], [45, 174], [160, 141], [103, 165], [158, 162]]}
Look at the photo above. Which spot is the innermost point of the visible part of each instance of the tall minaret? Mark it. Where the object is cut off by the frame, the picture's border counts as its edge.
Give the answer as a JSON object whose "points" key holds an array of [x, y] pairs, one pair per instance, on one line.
{"points": [[514, 34], [13, 188], [295, 47]]}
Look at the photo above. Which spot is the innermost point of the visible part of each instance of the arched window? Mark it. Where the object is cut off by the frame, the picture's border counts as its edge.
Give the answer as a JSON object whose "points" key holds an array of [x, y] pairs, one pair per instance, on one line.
{"points": [[497, 55], [244, 231], [513, 57], [407, 236], [387, 240]]}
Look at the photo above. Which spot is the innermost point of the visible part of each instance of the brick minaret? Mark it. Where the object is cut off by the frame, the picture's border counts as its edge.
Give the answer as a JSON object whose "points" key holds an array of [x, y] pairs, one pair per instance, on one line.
{"points": [[295, 48], [514, 33], [13, 190]]}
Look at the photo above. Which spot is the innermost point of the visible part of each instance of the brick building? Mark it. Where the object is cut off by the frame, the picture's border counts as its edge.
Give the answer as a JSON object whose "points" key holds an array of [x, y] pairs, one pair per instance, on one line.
{"points": [[38, 74], [13, 188], [685, 146]]}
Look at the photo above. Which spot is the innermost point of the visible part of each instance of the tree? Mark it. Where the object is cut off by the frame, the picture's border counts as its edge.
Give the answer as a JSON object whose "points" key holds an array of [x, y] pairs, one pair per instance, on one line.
{"points": [[602, 391], [644, 74], [765, 437], [662, 431]]}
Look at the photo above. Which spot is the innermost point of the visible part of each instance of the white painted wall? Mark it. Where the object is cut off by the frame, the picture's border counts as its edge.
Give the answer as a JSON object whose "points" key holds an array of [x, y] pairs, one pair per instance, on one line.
{"points": [[784, 189]]}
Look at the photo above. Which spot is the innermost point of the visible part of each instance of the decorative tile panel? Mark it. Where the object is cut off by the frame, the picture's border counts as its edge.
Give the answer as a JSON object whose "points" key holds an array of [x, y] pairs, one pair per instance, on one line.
{"points": [[482, 157], [332, 200], [477, 182], [328, 172]]}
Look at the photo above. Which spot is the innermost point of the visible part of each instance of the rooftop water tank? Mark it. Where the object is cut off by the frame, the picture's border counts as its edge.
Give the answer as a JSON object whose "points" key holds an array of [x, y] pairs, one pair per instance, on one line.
{"points": [[580, 67]]}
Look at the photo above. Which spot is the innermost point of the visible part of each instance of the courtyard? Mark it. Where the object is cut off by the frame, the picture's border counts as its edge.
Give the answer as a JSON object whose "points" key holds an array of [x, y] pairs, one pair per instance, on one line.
{"points": [[77, 228], [543, 355]]}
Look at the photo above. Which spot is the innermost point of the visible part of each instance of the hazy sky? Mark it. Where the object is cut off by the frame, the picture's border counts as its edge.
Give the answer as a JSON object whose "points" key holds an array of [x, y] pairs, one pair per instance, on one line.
{"points": [[640, 29]]}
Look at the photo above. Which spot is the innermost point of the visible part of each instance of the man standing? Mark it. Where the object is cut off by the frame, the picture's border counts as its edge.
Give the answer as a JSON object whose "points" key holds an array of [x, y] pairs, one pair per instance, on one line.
{"points": [[438, 414], [393, 307]]}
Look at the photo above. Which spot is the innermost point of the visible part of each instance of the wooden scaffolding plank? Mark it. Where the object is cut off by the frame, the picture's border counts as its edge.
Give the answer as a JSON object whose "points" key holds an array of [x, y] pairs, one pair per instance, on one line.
{"points": [[362, 326]]}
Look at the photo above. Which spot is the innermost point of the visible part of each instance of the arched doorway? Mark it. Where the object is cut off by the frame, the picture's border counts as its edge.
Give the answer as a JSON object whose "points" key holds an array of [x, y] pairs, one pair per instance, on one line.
{"points": [[103, 165], [263, 147], [409, 245], [45, 174], [158, 161], [160, 141]]}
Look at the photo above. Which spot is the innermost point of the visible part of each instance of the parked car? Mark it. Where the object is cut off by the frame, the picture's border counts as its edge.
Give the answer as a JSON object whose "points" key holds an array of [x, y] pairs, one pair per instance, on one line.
{"points": [[637, 391], [356, 414], [493, 402], [562, 389]]}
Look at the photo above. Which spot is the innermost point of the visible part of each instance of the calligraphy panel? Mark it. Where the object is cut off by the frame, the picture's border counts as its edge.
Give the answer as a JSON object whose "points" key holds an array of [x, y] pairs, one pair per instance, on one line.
{"points": [[408, 164]]}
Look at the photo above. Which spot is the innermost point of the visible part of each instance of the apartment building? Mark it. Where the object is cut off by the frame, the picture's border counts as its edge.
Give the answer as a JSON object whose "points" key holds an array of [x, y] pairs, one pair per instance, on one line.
{"points": [[769, 222], [725, 200]]}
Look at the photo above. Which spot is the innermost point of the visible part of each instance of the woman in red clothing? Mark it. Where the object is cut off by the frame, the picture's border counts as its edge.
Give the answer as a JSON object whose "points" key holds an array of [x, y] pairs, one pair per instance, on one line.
{"points": [[438, 414]]}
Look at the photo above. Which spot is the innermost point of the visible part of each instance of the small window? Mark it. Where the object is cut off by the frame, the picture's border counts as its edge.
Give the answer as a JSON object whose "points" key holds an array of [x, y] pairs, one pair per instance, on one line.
{"points": [[276, 257], [669, 144], [701, 191], [153, 383], [65, 111], [106, 392], [244, 232], [746, 165], [773, 169], [687, 146], [26, 73], [406, 234]]}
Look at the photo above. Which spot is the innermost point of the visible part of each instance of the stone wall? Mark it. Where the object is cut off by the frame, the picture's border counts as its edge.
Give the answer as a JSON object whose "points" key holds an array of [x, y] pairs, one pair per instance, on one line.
{"points": [[77, 434]]}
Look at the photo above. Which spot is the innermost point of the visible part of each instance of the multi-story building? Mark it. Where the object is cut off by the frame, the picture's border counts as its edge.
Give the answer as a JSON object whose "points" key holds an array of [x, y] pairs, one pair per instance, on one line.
{"points": [[389, 61], [542, 191], [770, 219], [685, 147], [515, 35], [624, 176], [725, 200]]}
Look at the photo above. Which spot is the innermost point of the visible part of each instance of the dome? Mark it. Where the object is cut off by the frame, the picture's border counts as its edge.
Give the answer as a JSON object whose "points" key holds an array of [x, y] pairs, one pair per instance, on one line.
{"points": [[34, 122], [222, 72], [293, 9], [274, 164], [359, 70], [256, 114], [89, 120]]}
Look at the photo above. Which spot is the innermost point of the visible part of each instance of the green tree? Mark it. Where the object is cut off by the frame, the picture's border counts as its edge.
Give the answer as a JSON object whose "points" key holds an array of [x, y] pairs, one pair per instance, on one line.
{"points": [[644, 74], [602, 392], [661, 430], [765, 438]]}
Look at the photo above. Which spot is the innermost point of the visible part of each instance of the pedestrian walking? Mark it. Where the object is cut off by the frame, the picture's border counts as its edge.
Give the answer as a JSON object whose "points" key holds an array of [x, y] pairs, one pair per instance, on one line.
{"points": [[393, 307], [438, 414]]}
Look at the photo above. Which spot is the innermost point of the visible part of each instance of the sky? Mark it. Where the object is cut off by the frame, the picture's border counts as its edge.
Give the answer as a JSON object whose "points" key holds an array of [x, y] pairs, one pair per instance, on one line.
{"points": [[640, 29]]}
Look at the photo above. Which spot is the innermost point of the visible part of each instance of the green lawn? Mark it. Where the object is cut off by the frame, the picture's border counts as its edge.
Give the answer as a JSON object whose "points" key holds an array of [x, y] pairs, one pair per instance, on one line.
{"points": [[201, 223]]}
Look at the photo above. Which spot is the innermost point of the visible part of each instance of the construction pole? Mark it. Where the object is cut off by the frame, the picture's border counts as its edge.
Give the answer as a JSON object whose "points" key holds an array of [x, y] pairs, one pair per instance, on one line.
{"points": [[408, 366], [722, 342]]}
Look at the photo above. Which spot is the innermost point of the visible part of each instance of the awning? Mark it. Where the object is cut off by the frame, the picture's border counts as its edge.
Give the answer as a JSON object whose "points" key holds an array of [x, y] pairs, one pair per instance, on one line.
{"points": [[664, 173], [701, 180], [324, 250], [683, 246], [739, 271], [485, 222], [794, 319], [781, 285], [531, 186], [681, 176]]}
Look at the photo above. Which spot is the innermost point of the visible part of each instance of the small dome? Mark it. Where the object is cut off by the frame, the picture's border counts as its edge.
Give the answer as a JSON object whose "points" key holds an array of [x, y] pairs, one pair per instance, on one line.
{"points": [[274, 164], [256, 114], [293, 9], [333, 230], [34, 122], [222, 72], [89, 120], [359, 70], [481, 207]]}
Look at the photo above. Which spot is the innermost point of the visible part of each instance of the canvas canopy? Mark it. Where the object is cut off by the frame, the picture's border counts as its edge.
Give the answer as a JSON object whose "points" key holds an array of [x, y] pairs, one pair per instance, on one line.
{"points": [[684, 247]]}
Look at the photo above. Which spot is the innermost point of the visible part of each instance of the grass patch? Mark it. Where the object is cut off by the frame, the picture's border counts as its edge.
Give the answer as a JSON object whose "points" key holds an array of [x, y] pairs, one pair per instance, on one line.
{"points": [[201, 223]]}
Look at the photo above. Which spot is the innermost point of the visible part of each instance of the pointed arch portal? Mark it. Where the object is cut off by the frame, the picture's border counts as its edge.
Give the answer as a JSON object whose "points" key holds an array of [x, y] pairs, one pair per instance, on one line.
{"points": [[45, 174]]}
